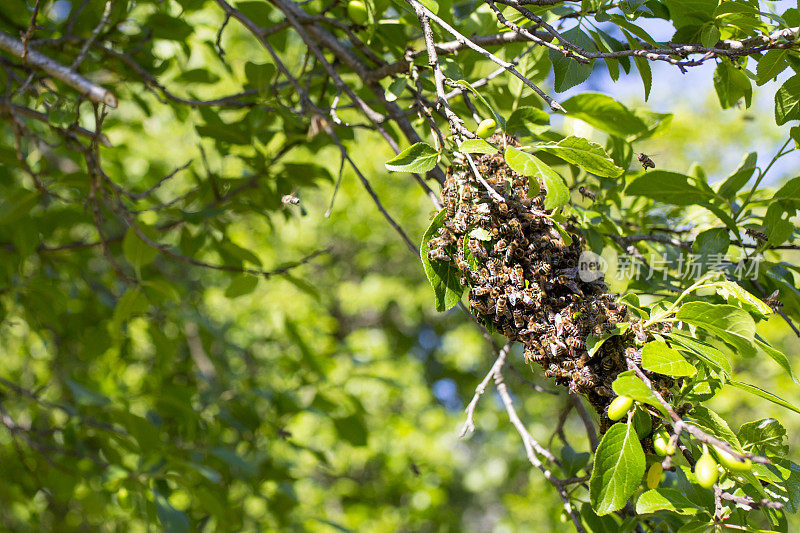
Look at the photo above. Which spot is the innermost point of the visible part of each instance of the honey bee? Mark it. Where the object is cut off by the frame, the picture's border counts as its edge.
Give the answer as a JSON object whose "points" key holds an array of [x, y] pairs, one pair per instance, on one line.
{"points": [[584, 379], [508, 331], [519, 319], [532, 353], [757, 235], [438, 254], [773, 302], [607, 364], [645, 161], [478, 306], [501, 308], [462, 265], [602, 390], [481, 290], [519, 273], [576, 343], [571, 329], [634, 355], [502, 207], [542, 268], [477, 249], [460, 221], [587, 193], [290, 199], [499, 246], [515, 225]]}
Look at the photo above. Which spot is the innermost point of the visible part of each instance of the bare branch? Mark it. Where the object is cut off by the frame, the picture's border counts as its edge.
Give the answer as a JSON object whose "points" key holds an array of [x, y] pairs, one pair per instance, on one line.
{"points": [[91, 90]]}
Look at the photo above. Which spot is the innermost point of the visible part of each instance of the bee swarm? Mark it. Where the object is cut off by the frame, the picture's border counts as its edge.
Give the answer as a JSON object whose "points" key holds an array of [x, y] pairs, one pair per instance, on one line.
{"points": [[523, 279]]}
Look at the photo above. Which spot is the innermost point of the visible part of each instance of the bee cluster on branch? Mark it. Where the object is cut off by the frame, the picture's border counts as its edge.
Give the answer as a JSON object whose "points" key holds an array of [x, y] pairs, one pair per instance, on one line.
{"points": [[524, 278]]}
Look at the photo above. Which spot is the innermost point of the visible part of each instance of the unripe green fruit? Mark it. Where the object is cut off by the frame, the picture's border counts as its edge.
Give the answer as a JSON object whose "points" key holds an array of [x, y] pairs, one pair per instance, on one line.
{"points": [[654, 475], [705, 470], [619, 407], [486, 128], [661, 443], [357, 11], [731, 462]]}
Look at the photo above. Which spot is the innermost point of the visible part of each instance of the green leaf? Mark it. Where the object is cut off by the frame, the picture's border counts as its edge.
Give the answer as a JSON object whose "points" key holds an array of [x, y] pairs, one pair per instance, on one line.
{"points": [[84, 396], [764, 436], [618, 469], [172, 520], [789, 191], [628, 384], [604, 113], [711, 422], [669, 188], [770, 65], [665, 499], [733, 325], [17, 205], [731, 85], [660, 358], [778, 357], [710, 245], [259, 76], [476, 146], [787, 101], [443, 276], [395, 89], [531, 166], [697, 526], [136, 251], [742, 175], [162, 26], [352, 429], [710, 35], [734, 294], [594, 343], [704, 351], [586, 154], [241, 285], [567, 71], [642, 65], [419, 158], [752, 389], [526, 121], [133, 302], [690, 12]]}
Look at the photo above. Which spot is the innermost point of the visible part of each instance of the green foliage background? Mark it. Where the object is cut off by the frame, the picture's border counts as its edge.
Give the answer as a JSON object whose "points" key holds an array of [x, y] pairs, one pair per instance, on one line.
{"points": [[192, 398]]}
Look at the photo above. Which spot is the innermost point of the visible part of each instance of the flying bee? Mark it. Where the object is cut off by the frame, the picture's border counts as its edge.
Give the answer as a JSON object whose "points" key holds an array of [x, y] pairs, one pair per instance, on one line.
{"points": [[757, 235], [773, 302], [645, 161], [290, 199], [587, 193]]}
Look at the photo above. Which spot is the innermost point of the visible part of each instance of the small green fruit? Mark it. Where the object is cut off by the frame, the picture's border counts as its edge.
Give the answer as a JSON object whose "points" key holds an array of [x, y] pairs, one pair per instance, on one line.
{"points": [[486, 128], [661, 443], [357, 12], [654, 475], [619, 407], [732, 462], [705, 470]]}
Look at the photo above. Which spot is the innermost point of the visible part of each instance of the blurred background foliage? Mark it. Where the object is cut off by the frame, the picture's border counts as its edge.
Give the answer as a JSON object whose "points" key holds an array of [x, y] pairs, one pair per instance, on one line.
{"points": [[328, 398]]}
